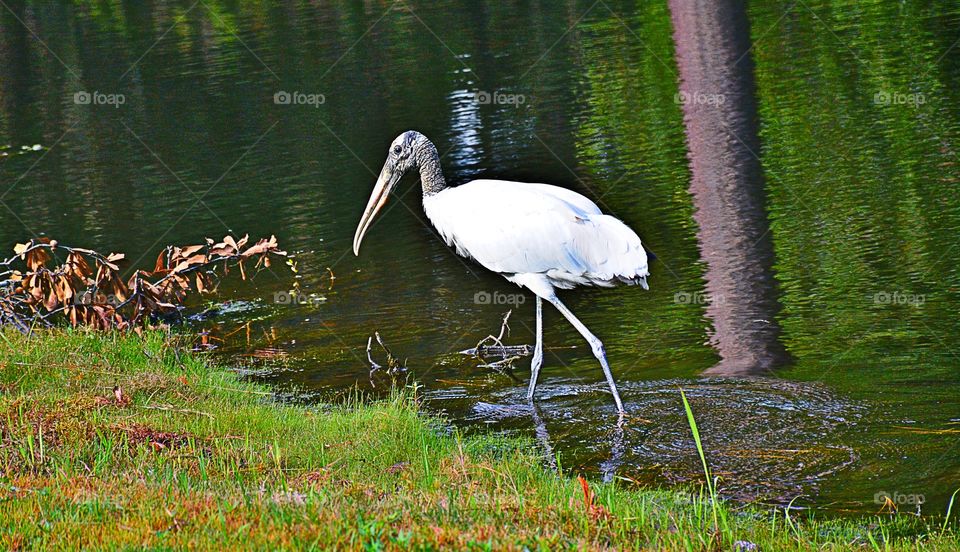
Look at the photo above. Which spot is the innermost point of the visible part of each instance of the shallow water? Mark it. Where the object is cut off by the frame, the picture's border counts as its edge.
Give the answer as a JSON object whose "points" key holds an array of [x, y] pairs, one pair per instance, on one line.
{"points": [[858, 122]]}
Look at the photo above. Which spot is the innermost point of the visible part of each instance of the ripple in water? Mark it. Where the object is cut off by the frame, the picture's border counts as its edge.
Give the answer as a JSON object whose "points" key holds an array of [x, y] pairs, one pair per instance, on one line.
{"points": [[768, 440]]}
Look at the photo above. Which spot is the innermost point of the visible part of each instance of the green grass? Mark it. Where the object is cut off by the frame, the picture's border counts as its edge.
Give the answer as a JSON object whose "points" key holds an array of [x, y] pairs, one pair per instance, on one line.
{"points": [[191, 456]]}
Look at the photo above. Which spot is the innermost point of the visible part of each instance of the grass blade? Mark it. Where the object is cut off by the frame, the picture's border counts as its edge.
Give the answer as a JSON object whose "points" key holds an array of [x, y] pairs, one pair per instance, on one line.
{"points": [[946, 519], [703, 459]]}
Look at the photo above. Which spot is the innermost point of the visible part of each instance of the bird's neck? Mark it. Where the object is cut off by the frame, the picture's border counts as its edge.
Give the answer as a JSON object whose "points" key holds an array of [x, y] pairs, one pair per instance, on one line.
{"points": [[431, 175]]}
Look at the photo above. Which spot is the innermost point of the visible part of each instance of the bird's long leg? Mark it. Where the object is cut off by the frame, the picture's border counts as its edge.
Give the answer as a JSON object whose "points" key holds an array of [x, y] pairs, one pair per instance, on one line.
{"points": [[595, 344], [537, 360]]}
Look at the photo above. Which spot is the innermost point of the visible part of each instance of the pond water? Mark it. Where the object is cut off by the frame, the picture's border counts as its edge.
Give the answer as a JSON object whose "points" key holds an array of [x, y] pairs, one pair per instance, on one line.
{"points": [[164, 123]]}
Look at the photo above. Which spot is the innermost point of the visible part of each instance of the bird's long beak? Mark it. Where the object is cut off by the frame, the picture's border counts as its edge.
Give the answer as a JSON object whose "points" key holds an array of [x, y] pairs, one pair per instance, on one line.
{"points": [[378, 198]]}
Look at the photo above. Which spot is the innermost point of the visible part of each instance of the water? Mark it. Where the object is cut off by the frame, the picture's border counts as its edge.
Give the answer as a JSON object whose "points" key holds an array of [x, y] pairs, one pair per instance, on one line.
{"points": [[857, 121]]}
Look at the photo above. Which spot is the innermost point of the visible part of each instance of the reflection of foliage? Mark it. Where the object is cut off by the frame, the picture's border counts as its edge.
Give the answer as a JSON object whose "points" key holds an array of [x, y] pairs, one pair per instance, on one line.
{"points": [[862, 192], [86, 289]]}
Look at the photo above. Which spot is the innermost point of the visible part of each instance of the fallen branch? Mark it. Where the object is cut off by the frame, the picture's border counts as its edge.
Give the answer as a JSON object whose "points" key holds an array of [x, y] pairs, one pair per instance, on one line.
{"points": [[168, 408]]}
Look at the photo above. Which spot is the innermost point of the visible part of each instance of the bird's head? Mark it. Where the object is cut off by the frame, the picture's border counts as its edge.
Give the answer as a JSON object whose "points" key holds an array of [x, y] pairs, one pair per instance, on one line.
{"points": [[404, 153]]}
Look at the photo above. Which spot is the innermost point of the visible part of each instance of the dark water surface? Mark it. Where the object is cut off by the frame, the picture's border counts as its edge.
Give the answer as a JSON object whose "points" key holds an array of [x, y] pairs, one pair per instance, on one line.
{"points": [[858, 119]]}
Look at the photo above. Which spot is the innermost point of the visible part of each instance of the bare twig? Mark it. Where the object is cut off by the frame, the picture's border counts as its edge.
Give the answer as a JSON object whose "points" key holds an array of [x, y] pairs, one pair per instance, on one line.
{"points": [[394, 366], [503, 366], [373, 365], [392, 361], [492, 345], [332, 278], [498, 340], [168, 408]]}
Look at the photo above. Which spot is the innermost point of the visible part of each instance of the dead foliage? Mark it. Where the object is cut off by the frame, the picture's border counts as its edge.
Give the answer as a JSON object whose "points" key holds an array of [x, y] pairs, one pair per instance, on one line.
{"points": [[157, 440], [316, 478], [46, 282], [14, 542], [596, 511], [42, 423], [116, 398]]}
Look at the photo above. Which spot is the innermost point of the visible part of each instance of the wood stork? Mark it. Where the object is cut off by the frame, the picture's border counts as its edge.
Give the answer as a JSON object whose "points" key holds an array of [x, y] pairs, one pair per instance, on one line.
{"points": [[537, 236]]}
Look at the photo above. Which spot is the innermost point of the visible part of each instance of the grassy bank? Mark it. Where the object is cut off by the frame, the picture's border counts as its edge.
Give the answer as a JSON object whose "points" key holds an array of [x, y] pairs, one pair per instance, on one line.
{"points": [[128, 442]]}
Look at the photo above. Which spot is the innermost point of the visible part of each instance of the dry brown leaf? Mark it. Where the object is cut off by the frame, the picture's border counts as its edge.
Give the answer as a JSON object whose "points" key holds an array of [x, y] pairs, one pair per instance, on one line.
{"points": [[107, 300]]}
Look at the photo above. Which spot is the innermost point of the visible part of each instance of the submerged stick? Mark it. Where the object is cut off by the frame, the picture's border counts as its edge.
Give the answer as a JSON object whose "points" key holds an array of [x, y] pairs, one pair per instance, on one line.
{"points": [[499, 350]]}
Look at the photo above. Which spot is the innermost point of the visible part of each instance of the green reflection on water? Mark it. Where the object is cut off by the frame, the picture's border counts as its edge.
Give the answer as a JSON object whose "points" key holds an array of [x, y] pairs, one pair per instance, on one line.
{"points": [[859, 126]]}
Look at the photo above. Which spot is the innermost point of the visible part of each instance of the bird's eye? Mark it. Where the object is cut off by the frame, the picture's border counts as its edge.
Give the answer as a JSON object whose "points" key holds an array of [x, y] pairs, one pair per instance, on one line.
{"points": [[397, 150]]}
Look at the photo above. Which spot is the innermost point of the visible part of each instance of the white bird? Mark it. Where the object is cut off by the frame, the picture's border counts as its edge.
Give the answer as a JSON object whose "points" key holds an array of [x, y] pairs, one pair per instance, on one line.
{"points": [[538, 236]]}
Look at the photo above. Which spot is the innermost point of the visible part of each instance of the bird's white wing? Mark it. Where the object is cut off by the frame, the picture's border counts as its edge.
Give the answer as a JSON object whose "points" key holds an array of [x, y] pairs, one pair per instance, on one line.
{"points": [[520, 228]]}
